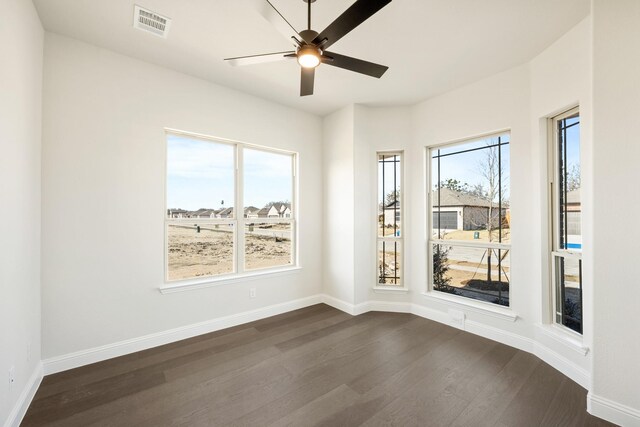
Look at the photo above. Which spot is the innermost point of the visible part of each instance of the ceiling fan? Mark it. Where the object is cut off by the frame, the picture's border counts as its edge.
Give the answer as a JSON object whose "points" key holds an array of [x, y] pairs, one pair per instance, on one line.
{"points": [[310, 46]]}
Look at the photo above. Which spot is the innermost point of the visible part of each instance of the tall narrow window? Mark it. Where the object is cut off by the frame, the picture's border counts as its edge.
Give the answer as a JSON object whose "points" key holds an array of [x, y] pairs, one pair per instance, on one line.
{"points": [[566, 251], [206, 236], [389, 229], [470, 219]]}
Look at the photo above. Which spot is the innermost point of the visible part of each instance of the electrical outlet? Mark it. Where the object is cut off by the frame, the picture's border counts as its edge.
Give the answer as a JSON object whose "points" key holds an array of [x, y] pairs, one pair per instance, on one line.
{"points": [[12, 377], [252, 292]]}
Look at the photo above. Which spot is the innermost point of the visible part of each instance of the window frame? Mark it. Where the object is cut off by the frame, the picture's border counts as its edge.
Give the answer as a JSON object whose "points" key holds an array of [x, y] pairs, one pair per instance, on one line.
{"points": [[506, 311], [401, 286], [239, 222], [554, 250]]}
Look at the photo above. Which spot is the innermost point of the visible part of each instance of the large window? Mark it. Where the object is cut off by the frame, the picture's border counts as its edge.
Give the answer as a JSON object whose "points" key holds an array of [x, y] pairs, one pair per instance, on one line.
{"points": [[470, 219], [566, 207], [389, 229], [230, 208]]}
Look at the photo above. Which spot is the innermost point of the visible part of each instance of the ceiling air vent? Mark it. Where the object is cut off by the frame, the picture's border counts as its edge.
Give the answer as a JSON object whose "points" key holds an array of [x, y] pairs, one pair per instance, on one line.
{"points": [[146, 20]]}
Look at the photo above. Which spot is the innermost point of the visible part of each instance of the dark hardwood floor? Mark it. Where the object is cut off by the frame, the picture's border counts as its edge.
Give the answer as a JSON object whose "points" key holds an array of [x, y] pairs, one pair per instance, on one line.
{"points": [[317, 366]]}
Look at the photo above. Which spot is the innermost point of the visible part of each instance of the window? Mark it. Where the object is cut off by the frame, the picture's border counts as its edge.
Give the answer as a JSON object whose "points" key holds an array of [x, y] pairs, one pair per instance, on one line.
{"points": [[470, 219], [206, 236], [389, 229], [566, 207]]}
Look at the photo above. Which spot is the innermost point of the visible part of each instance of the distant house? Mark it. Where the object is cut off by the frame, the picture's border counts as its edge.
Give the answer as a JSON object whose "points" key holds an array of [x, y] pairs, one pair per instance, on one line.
{"points": [[462, 211], [204, 213], [225, 213], [275, 210], [574, 209], [251, 212], [391, 213], [177, 213]]}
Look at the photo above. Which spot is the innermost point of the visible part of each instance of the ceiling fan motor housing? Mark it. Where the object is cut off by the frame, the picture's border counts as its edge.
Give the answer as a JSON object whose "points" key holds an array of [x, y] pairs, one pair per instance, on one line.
{"points": [[308, 35]]}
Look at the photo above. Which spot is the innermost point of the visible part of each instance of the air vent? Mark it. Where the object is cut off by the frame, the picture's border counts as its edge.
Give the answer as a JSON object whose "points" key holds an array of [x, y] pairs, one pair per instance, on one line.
{"points": [[146, 20]]}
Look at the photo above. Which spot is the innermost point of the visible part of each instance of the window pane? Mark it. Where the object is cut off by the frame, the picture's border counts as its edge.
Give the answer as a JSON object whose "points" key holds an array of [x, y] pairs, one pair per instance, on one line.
{"points": [[470, 191], [569, 201], [476, 273], [389, 263], [389, 178], [569, 292], [267, 245], [197, 250], [200, 178], [268, 184]]}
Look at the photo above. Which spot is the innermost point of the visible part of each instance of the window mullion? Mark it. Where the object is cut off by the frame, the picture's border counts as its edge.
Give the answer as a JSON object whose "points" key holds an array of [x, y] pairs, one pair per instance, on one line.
{"points": [[240, 223]]}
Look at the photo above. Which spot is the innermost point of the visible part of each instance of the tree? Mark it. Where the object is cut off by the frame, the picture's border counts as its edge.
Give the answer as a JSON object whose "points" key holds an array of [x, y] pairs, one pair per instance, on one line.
{"points": [[440, 268], [492, 172], [573, 177], [476, 190], [391, 197]]}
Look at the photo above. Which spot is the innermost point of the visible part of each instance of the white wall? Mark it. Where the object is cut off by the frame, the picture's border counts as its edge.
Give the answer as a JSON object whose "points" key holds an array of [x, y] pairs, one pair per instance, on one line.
{"points": [[103, 204], [338, 205], [616, 97], [21, 41], [518, 100], [561, 79], [495, 104], [378, 129]]}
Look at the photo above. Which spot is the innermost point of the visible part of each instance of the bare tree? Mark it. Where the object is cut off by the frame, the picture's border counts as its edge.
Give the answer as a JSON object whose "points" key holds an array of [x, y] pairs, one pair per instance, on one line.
{"points": [[573, 177], [491, 169]]}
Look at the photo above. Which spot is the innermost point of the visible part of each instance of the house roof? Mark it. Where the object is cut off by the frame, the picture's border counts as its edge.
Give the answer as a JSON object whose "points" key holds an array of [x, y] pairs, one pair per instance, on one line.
{"points": [[450, 197], [573, 196]]}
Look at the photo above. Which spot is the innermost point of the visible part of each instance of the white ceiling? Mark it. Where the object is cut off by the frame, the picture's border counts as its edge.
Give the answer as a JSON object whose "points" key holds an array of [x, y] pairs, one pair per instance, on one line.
{"points": [[431, 46]]}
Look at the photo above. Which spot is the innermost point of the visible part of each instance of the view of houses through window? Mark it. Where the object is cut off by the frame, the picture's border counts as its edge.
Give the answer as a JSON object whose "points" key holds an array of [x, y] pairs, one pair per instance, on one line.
{"points": [[389, 229], [471, 219], [205, 236], [566, 251]]}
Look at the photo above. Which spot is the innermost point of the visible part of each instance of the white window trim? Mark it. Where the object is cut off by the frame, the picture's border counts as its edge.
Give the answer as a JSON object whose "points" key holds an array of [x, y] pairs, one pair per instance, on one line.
{"points": [[561, 331], [214, 281], [238, 221], [377, 239], [476, 305]]}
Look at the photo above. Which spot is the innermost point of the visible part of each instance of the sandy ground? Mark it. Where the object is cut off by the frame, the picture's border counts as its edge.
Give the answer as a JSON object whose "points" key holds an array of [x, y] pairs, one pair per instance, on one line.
{"points": [[210, 252], [483, 236], [391, 268]]}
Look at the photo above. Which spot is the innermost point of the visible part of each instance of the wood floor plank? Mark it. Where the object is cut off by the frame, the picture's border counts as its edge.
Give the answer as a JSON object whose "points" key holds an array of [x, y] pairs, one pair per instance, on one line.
{"points": [[491, 401], [424, 398], [530, 404], [317, 366], [319, 409]]}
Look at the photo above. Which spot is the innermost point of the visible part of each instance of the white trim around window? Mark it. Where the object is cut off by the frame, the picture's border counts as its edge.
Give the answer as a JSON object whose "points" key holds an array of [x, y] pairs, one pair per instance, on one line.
{"points": [[237, 229]]}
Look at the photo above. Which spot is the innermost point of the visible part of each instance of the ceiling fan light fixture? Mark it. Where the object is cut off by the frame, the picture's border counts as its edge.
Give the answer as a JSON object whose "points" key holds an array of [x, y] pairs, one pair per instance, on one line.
{"points": [[308, 57]]}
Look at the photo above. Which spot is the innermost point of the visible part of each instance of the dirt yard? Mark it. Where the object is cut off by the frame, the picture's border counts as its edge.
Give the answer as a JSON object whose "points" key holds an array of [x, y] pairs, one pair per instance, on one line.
{"points": [[210, 252]]}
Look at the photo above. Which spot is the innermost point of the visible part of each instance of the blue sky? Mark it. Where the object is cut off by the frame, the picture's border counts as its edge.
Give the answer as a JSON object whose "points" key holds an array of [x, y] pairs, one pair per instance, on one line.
{"points": [[466, 167], [200, 174]]}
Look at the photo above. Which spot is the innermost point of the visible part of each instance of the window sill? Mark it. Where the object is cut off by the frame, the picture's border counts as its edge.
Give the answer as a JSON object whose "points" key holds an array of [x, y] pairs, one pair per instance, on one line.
{"points": [[569, 339], [474, 306], [385, 289], [212, 282]]}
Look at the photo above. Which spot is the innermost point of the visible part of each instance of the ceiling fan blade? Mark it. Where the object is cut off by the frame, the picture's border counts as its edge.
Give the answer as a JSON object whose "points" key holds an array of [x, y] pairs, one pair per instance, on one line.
{"points": [[353, 64], [359, 12], [275, 18], [306, 81], [259, 59]]}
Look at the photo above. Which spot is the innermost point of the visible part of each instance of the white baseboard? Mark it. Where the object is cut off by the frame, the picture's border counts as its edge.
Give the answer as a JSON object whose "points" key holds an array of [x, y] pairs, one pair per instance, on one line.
{"points": [[109, 351], [611, 411], [562, 364], [29, 391], [598, 406], [339, 304]]}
